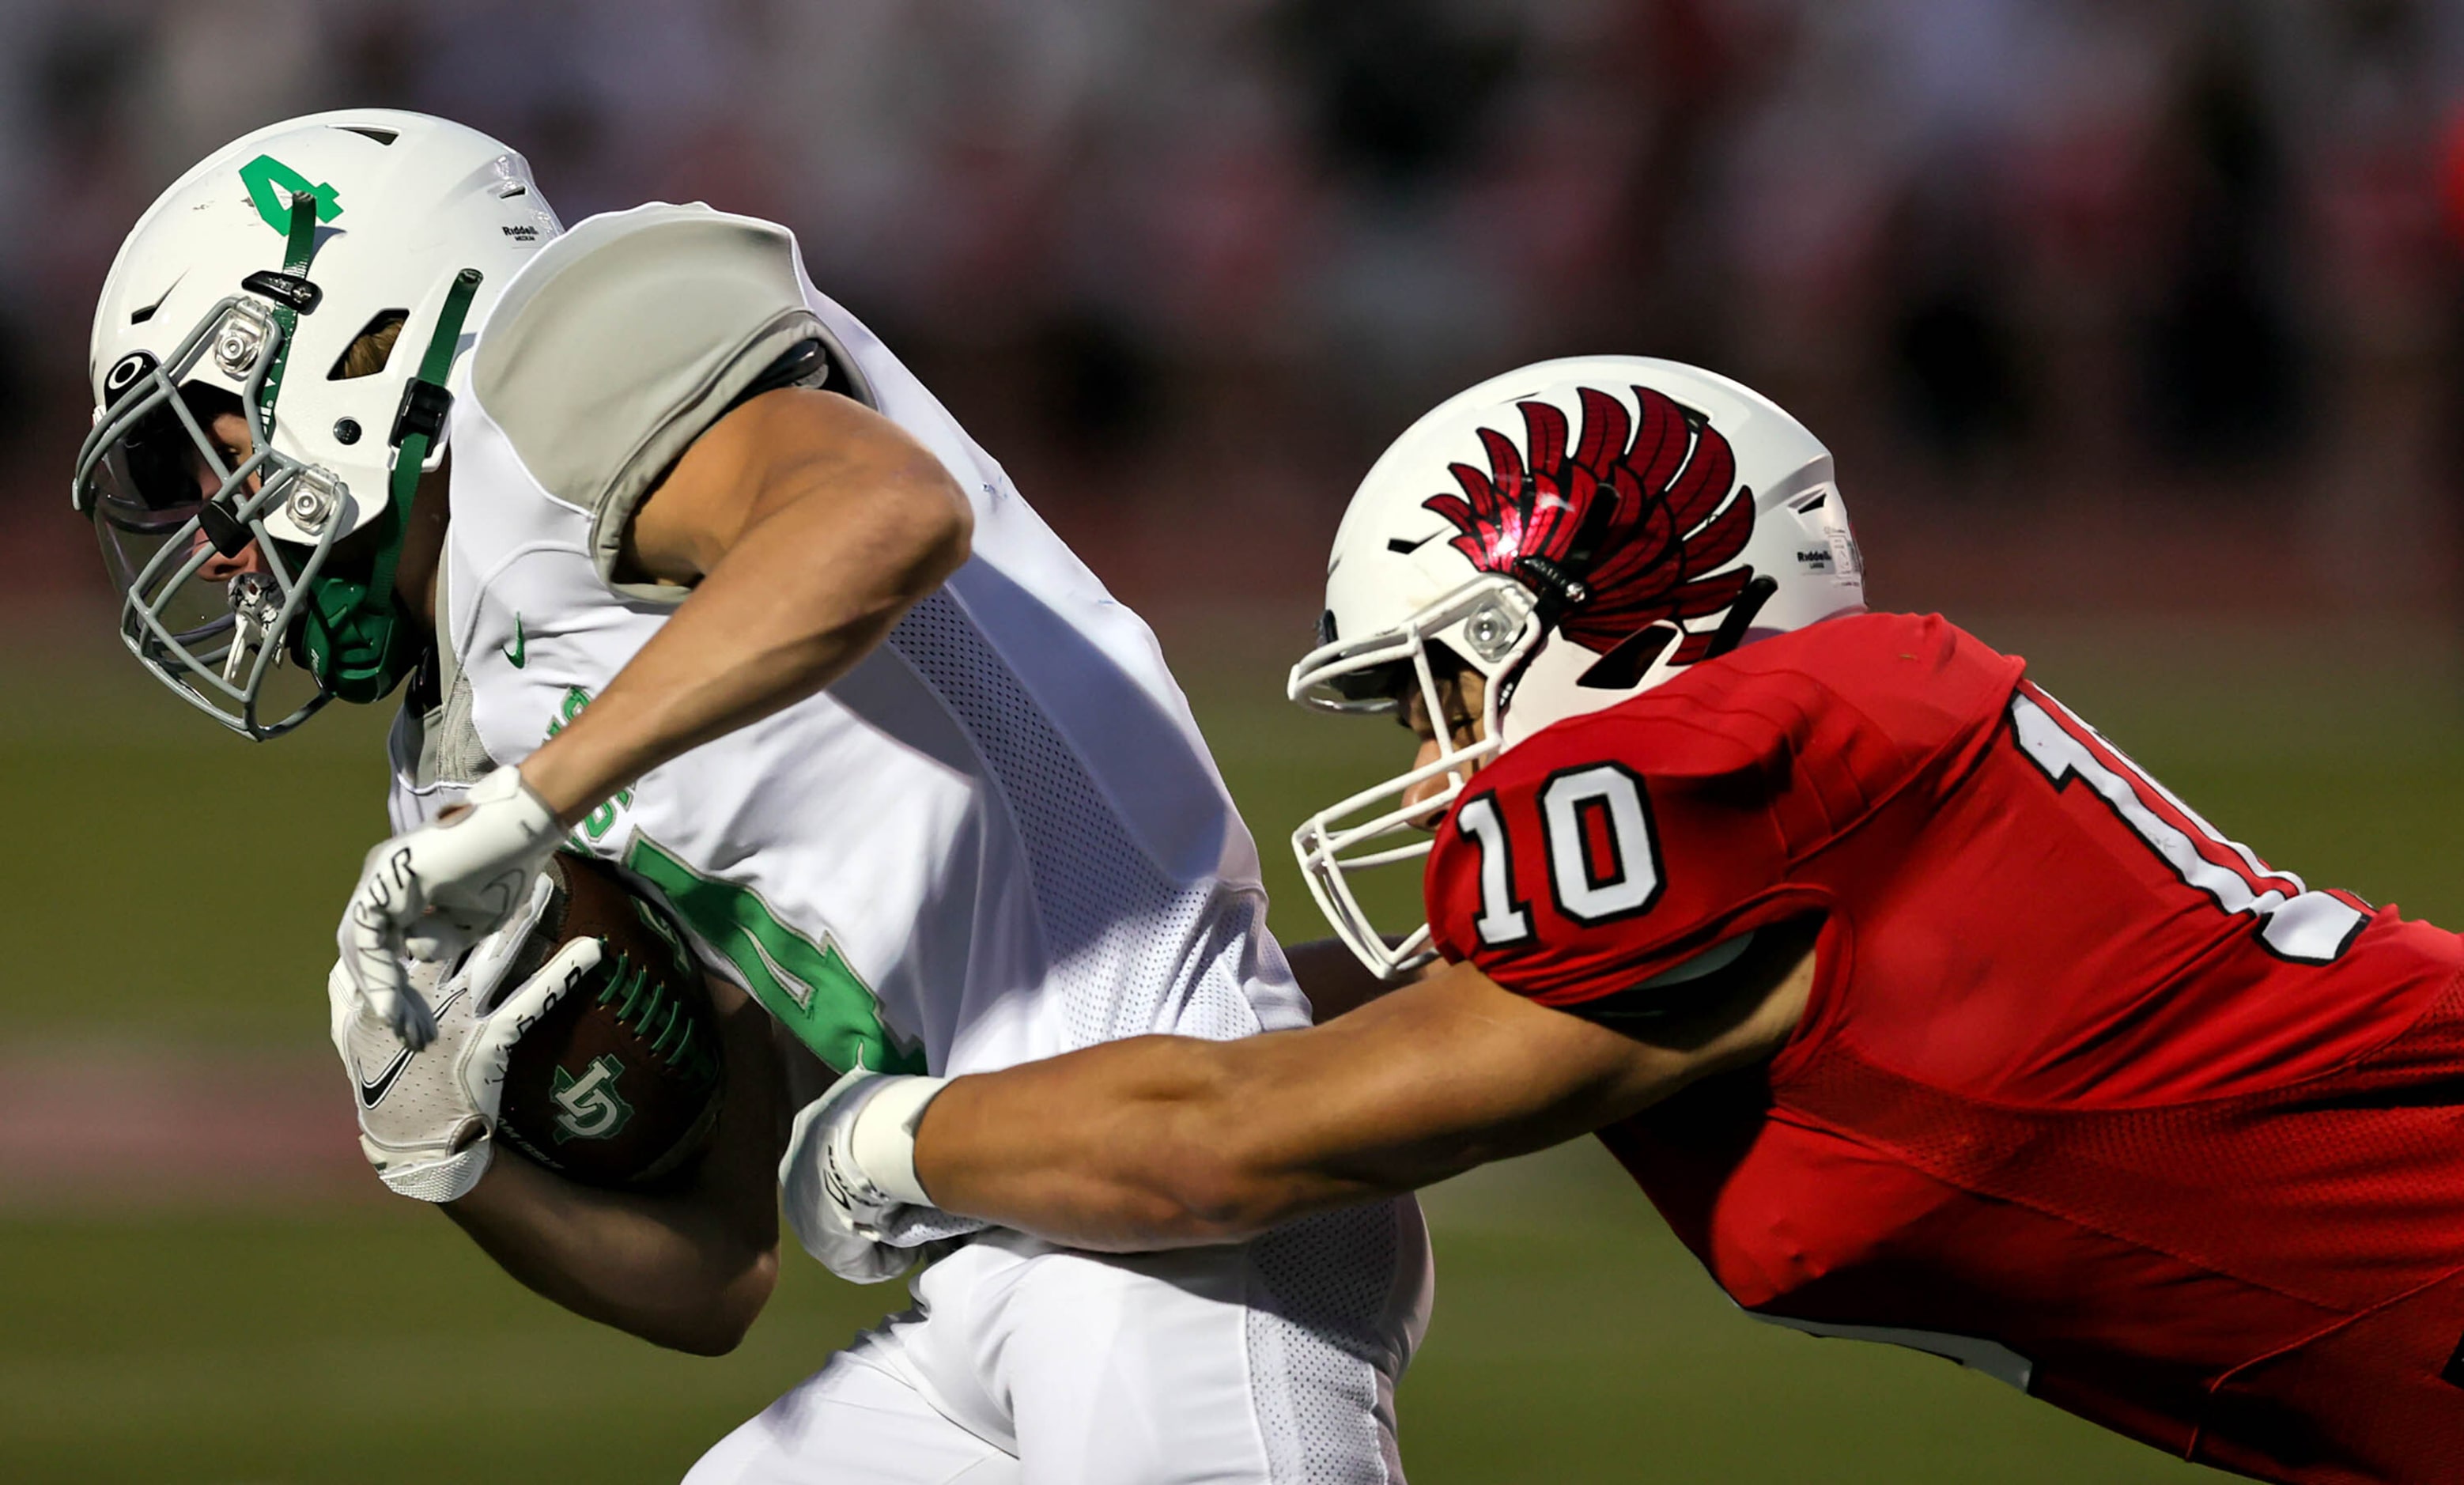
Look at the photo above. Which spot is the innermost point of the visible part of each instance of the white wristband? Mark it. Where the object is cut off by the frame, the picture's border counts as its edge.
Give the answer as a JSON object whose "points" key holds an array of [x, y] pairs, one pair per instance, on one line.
{"points": [[882, 1140]]}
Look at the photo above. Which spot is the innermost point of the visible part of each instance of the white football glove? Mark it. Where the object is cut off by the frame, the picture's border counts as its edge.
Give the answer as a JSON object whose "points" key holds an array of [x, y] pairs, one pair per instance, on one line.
{"points": [[426, 1115], [431, 892], [849, 1172]]}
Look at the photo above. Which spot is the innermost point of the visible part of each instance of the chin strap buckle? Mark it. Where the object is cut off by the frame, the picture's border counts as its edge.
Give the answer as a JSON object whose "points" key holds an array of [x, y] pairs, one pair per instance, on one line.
{"points": [[425, 401], [422, 413]]}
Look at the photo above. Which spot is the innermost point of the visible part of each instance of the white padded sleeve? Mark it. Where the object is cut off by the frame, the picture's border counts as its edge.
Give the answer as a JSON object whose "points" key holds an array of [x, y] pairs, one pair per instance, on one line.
{"points": [[624, 340]]}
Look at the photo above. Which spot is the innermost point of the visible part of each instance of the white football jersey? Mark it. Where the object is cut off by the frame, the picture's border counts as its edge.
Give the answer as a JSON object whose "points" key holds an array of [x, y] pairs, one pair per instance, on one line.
{"points": [[999, 838]]}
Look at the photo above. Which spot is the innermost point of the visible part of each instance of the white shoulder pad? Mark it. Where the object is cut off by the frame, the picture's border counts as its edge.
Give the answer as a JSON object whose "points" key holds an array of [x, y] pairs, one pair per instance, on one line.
{"points": [[624, 340]]}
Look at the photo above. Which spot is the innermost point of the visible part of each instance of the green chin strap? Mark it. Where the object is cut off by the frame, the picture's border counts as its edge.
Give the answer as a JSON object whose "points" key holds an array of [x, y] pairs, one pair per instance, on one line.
{"points": [[358, 648], [356, 636]]}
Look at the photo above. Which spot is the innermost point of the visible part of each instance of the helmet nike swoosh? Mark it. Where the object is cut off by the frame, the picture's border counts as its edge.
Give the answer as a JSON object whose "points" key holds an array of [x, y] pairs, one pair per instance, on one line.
{"points": [[372, 1092]]}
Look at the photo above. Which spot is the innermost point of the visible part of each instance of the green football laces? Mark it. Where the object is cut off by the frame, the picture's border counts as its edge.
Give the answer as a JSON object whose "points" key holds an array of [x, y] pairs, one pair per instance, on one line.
{"points": [[655, 1014]]}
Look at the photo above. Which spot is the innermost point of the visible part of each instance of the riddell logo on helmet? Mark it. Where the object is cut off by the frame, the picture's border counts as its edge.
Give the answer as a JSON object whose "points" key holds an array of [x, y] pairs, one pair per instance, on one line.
{"points": [[1620, 531]]}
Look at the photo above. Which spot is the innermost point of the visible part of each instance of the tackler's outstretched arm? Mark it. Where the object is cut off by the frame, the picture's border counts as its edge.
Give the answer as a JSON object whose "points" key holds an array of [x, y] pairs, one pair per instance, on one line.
{"points": [[1161, 1142]]}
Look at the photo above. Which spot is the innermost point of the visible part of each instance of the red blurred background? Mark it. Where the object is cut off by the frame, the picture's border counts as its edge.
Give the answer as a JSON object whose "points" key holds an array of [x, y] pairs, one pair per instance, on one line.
{"points": [[2109, 306]]}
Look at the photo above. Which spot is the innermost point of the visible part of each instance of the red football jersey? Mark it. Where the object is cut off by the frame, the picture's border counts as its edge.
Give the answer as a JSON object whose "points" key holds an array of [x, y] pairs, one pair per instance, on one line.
{"points": [[2085, 1094]]}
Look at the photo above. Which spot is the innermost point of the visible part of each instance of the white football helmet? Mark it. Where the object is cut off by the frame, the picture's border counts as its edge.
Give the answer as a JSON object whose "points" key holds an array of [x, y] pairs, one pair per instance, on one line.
{"points": [[238, 293], [1577, 532]]}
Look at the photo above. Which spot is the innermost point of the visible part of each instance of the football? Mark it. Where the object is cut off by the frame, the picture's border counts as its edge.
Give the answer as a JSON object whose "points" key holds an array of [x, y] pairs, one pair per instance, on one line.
{"points": [[619, 1083]]}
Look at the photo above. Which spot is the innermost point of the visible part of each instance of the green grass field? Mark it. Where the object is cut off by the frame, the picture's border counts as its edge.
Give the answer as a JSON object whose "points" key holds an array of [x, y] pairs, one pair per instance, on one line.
{"points": [[174, 889]]}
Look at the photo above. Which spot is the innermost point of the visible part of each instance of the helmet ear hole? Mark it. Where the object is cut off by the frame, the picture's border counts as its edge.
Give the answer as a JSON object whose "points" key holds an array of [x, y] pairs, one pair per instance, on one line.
{"points": [[371, 348]]}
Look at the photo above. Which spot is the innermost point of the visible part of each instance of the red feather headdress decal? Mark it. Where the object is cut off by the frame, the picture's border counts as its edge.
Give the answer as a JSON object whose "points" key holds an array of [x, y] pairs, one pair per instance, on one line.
{"points": [[1618, 533]]}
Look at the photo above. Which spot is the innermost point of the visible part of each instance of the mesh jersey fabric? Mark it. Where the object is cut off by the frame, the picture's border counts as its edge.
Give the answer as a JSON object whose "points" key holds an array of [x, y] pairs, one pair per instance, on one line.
{"points": [[2062, 1084], [1337, 1303], [1136, 950], [1133, 949]]}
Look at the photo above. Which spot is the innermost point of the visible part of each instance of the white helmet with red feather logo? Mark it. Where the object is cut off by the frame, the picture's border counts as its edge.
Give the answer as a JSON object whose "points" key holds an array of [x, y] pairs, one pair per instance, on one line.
{"points": [[1577, 532]]}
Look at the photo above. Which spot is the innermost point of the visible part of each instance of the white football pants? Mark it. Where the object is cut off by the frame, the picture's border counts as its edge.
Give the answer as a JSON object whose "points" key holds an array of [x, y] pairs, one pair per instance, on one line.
{"points": [[1273, 1363]]}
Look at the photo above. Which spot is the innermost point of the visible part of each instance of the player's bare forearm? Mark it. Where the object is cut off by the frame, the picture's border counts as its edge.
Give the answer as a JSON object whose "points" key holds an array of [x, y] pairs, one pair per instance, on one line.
{"points": [[807, 525], [690, 1268], [1166, 1142]]}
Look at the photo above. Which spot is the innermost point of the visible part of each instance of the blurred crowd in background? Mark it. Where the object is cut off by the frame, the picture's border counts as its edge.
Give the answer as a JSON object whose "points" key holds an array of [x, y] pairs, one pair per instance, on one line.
{"points": [[2054, 276]]}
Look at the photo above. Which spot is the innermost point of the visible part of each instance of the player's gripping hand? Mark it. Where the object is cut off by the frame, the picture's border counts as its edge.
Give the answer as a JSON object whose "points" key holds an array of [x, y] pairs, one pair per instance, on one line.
{"points": [[427, 1114], [849, 1171], [432, 892]]}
